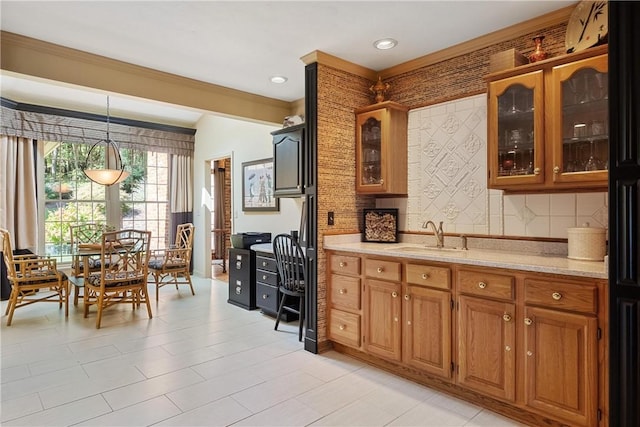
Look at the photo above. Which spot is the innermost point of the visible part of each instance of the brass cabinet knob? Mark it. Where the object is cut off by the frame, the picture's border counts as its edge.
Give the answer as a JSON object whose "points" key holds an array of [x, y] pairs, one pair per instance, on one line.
{"points": [[342, 327], [507, 348], [425, 276], [529, 353], [264, 264], [408, 322], [407, 297], [342, 263], [264, 277], [394, 294], [264, 296], [395, 319], [342, 291], [482, 285], [528, 321], [536, 171], [556, 170], [506, 317], [382, 182], [380, 269], [556, 296]]}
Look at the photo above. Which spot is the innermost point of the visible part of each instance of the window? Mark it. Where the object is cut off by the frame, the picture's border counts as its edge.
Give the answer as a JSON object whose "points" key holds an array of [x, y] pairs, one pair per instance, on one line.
{"points": [[140, 202]]}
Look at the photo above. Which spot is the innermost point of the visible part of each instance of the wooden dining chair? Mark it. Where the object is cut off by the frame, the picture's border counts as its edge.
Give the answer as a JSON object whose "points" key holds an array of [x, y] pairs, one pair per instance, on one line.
{"points": [[292, 269], [122, 279], [33, 279], [172, 265], [86, 235]]}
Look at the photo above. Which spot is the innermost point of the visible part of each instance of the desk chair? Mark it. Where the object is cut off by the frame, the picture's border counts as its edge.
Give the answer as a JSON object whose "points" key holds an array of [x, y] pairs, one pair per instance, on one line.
{"points": [[292, 269], [33, 279]]}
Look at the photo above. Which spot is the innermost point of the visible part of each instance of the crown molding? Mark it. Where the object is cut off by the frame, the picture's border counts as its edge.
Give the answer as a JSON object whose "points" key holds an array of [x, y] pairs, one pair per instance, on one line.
{"points": [[339, 63]]}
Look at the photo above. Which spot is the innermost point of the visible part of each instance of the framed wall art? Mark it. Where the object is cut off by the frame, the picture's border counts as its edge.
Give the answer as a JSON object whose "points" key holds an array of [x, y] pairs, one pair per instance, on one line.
{"points": [[257, 186]]}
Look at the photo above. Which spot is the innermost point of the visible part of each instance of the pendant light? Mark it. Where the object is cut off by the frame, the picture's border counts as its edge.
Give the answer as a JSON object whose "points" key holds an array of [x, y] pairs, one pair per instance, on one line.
{"points": [[112, 171]]}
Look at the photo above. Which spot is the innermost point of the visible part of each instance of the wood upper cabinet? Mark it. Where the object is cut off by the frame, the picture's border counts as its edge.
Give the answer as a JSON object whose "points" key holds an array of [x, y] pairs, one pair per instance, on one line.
{"points": [[381, 149], [289, 161], [382, 313], [516, 130], [548, 124], [486, 346], [426, 334]]}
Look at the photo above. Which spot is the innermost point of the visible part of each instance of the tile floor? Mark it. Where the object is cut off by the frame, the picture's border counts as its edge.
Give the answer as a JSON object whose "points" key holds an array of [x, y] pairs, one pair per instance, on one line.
{"points": [[199, 361]]}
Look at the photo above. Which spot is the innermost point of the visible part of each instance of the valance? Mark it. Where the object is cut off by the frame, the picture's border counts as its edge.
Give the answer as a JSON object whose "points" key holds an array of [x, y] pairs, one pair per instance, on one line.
{"points": [[89, 128]]}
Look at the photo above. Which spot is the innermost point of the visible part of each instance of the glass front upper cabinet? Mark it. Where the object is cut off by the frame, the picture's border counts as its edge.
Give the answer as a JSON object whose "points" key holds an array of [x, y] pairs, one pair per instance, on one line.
{"points": [[516, 134], [581, 133]]}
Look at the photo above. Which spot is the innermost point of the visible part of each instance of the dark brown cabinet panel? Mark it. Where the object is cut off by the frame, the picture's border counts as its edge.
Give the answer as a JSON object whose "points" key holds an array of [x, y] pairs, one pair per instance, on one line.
{"points": [[288, 161]]}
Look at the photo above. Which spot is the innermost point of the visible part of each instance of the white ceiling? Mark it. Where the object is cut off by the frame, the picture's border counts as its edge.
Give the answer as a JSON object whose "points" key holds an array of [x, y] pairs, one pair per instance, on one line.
{"points": [[240, 44]]}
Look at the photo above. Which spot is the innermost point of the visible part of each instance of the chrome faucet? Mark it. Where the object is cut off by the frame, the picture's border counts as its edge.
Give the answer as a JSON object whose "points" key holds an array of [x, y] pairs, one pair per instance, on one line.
{"points": [[437, 231]]}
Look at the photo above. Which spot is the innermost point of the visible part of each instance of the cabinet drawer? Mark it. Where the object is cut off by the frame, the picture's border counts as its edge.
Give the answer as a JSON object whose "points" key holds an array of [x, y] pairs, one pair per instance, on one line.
{"points": [[267, 297], [386, 270], [345, 292], [344, 328], [344, 264], [428, 275], [264, 263], [486, 284], [567, 296], [268, 277]]}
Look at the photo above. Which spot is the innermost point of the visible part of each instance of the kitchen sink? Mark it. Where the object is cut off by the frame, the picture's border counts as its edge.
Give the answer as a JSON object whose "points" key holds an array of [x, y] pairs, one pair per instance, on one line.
{"points": [[429, 249]]}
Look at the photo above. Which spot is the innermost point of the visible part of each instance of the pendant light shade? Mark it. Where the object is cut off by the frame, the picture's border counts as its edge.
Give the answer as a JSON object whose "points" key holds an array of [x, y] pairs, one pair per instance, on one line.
{"points": [[104, 163]]}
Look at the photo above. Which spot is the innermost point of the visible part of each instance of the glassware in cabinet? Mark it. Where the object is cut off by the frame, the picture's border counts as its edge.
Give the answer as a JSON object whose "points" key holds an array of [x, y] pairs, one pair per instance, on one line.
{"points": [[581, 132], [516, 133]]}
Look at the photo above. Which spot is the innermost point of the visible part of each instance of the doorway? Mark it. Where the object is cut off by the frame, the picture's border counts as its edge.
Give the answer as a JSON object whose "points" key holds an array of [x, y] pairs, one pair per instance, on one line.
{"points": [[220, 216]]}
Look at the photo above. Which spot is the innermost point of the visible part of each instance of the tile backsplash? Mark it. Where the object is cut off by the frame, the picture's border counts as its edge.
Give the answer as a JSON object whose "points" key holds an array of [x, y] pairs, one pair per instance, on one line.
{"points": [[447, 170]]}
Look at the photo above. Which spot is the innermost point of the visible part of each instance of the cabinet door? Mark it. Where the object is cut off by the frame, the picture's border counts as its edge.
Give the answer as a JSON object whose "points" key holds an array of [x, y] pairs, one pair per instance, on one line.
{"points": [[427, 330], [288, 161], [382, 318], [369, 172], [486, 346], [580, 135], [561, 364], [516, 131]]}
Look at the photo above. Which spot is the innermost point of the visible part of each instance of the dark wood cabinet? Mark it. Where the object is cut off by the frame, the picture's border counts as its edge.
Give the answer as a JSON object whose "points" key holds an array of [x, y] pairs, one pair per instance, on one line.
{"points": [[288, 161], [267, 283], [242, 280]]}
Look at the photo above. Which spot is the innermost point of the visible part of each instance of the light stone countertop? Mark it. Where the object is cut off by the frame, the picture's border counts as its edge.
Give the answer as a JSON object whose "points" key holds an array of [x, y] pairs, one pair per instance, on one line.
{"points": [[540, 263]]}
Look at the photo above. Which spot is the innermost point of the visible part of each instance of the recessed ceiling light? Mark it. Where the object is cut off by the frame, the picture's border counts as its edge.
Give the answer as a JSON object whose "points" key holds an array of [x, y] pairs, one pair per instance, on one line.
{"points": [[278, 79], [384, 44]]}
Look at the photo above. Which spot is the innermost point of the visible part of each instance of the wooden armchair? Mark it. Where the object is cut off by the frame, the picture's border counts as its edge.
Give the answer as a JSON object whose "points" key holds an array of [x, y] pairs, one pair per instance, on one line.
{"points": [[85, 236], [122, 279], [33, 279], [174, 263]]}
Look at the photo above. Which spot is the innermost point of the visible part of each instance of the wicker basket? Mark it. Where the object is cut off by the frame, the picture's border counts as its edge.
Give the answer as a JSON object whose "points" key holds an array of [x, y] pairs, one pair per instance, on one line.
{"points": [[587, 243]]}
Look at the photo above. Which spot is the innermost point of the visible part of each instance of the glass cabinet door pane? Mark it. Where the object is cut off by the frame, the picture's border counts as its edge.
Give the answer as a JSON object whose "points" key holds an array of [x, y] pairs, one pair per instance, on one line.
{"points": [[371, 140], [516, 132], [585, 122]]}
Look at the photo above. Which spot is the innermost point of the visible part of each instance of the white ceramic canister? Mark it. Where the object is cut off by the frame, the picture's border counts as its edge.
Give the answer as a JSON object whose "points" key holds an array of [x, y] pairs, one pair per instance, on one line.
{"points": [[587, 243]]}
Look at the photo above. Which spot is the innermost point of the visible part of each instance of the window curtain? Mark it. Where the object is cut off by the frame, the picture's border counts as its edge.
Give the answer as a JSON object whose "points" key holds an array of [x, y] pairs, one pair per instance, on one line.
{"points": [[181, 192], [218, 208], [19, 205]]}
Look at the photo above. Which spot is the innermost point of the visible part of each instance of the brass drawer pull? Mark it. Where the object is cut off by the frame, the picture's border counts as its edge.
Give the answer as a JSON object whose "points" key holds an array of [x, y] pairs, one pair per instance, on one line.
{"points": [[380, 269], [342, 327], [394, 294], [506, 317], [528, 321], [556, 296], [425, 276], [407, 297], [264, 263], [482, 285], [264, 296], [343, 264], [264, 277], [342, 291]]}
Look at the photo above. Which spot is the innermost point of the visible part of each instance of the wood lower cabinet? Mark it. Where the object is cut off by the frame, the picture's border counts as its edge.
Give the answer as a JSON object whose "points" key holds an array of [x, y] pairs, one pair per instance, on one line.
{"points": [[487, 346], [531, 346], [561, 350]]}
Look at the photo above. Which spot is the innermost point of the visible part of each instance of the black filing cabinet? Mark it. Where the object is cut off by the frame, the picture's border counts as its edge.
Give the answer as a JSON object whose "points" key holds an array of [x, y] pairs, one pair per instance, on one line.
{"points": [[242, 279], [267, 283]]}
